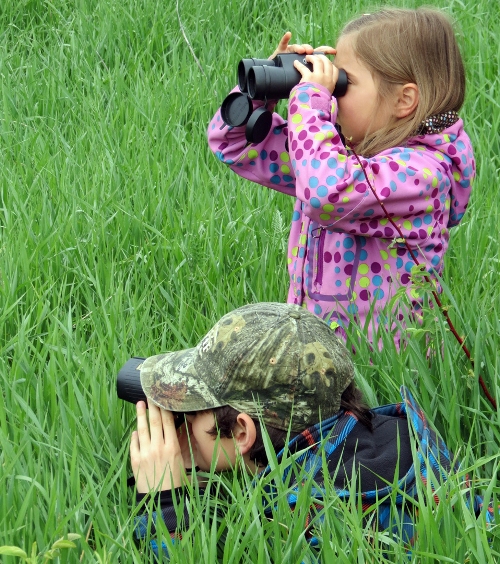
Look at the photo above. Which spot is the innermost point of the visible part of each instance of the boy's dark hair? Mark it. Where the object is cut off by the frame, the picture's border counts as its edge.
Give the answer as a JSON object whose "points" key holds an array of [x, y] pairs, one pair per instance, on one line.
{"points": [[225, 420]]}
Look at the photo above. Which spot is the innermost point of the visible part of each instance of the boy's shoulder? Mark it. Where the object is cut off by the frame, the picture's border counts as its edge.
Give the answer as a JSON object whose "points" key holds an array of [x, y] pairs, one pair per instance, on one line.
{"points": [[430, 444]]}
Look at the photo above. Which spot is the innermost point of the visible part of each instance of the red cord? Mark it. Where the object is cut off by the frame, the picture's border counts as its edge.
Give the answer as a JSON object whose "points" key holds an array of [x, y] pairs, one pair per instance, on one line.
{"points": [[428, 280]]}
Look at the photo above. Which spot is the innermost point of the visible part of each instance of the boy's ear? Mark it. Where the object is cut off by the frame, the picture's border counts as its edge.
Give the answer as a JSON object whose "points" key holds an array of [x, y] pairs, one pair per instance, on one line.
{"points": [[407, 100], [244, 433]]}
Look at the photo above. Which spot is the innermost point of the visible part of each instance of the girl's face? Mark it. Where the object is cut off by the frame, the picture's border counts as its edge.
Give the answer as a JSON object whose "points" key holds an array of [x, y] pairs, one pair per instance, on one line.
{"points": [[204, 445], [359, 111]]}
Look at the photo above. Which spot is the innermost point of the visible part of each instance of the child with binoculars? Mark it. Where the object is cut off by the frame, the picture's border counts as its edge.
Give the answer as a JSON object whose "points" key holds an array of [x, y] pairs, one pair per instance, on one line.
{"points": [[379, 174]]}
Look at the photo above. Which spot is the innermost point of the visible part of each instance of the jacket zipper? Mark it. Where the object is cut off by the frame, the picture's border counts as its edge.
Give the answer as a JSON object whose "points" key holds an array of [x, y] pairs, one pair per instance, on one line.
{"points": [[321, 246]]}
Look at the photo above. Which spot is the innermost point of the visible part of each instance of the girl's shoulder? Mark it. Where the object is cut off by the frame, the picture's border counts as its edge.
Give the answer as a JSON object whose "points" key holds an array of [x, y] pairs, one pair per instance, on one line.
{"points": [[451, 141]]}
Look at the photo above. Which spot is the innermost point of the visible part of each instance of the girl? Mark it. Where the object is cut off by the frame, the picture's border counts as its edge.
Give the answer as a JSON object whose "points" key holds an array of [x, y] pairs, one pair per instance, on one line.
{"points": [[402, 137]]}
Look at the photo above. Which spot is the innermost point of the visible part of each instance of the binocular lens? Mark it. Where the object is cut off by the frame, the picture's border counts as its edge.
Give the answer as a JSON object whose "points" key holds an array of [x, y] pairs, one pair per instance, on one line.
{"points": [[244, 67], [271, 83], [256, 83]]}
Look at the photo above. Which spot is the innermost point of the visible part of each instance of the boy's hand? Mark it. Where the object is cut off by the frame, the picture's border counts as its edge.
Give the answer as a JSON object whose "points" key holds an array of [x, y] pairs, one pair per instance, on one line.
{"points": [[158, 460], [324, 71], [285, 47]]}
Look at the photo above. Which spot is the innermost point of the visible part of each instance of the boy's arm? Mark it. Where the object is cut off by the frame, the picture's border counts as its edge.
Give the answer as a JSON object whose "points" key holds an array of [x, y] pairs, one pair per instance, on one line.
{"points": [[266, 163], [160, 458], [168, 505]]}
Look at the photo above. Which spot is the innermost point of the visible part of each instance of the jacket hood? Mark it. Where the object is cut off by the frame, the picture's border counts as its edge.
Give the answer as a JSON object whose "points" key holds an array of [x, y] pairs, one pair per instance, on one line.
{"points": [[453, 149]]}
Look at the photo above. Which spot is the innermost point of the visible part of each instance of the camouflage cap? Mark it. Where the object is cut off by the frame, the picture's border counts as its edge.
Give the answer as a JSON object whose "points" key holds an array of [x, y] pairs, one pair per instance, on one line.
{"points": [[267, 359]]}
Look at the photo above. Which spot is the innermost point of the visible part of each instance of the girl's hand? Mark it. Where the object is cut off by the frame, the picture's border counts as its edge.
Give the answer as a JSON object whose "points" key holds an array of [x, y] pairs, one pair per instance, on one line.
{"points": [[285, 47], [158, 461], [324, 71]]}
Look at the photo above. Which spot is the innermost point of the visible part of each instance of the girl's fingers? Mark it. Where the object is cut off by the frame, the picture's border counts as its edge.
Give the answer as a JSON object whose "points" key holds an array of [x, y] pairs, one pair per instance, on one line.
{"points": [[321, 64], [326, 49], [285, 40], [323, 71], [282, 45], [300, 67], [299, 49], [285, 47], [327, 66]]}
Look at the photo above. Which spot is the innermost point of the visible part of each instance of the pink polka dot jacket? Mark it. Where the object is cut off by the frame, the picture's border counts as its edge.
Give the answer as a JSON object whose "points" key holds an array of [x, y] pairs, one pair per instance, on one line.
{"points": [[344, 260]]}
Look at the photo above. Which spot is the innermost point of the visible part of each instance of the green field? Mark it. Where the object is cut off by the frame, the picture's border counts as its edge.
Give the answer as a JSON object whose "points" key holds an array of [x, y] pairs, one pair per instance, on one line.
{"points": [[122, 235]]}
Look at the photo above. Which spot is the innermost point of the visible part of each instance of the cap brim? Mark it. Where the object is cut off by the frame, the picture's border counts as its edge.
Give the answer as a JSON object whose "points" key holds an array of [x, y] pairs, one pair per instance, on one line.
{"points": [[171, 381]]}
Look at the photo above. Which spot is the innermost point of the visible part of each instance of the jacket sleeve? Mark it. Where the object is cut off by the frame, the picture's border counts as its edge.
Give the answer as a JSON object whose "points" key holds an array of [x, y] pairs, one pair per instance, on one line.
{"points": [[266, 163], [166, 505], [332, 184]]}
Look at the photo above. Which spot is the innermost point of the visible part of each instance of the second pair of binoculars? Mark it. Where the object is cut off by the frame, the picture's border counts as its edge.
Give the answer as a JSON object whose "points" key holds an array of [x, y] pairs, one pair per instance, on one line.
{"points": [[266, 79], [129, 387]]}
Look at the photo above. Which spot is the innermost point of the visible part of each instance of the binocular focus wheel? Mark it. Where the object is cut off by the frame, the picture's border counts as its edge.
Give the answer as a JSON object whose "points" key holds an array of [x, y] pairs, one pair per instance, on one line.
{"points": [[259, 125]]}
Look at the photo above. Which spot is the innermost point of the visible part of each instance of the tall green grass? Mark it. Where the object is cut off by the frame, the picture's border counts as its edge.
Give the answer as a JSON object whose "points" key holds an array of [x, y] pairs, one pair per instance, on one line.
{"points": [[121, 235]]}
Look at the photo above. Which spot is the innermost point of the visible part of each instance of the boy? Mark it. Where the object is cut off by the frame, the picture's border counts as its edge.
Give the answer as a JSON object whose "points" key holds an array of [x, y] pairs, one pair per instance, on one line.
{"points": [[280, 365]]}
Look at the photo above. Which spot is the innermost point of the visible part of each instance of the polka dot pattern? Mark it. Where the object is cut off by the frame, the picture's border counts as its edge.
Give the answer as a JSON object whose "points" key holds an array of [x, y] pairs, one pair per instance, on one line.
{"points": [[345, 256]]}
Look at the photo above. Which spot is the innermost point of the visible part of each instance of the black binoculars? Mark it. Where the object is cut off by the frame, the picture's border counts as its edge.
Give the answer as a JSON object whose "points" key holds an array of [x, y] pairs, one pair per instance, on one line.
{"points": [[129, 387], [128, 382], [266, 79]]}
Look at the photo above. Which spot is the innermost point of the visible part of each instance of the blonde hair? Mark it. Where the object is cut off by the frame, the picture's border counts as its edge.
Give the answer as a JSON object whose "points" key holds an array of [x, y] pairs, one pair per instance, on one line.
{"points": [[403, 46]]}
